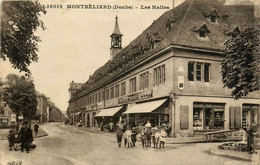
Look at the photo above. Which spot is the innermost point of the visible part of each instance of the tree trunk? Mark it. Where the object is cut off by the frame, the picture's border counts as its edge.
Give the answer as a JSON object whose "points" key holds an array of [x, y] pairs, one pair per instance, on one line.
{"points": [[17, 123]]}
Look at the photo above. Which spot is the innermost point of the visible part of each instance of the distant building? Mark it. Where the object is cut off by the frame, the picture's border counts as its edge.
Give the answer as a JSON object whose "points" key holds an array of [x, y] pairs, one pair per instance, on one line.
{"points": [[42, 106], [171, 73]]}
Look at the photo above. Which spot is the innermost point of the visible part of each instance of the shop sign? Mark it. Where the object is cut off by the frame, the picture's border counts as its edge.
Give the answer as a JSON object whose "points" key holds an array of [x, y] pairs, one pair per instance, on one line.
{"points": [[137, 96]]}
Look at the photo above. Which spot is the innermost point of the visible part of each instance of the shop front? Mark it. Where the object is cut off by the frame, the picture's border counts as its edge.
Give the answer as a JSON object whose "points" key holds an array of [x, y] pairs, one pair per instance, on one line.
{"points": [[109, 115], [156, 111], [208, 116], [250, 114]]}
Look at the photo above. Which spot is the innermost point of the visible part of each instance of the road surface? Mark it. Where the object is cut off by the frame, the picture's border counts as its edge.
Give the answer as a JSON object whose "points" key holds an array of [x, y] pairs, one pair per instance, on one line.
{"points": [[70, 145]]}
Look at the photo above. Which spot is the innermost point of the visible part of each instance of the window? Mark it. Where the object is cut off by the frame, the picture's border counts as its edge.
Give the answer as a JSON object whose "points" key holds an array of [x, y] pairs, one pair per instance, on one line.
{"points": [[213, 18], [202, 34], [144, 80], [117, 91], [201, 73], [191, 71], [96, 98], [112, 93], [132, 85], [107, 94], [206, 72], [99, 96], [103, 95], [159, 75], [123, 89], [198, 71]]}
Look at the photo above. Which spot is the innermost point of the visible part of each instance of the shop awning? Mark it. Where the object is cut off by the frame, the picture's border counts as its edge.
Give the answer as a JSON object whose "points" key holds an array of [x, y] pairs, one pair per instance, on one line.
{"points": [[146, 107], [108, 112], [78, 113]]}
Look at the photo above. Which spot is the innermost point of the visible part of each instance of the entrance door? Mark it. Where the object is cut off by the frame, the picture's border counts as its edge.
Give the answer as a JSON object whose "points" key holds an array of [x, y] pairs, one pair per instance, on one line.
{"points": [[88, 120]]}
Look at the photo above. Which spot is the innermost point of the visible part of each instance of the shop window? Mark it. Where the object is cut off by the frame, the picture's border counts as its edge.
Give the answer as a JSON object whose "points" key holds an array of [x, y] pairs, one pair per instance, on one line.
{"points": [[197, 117], [132, 85], [117, 91], [107, 94], [112, 92], [123, 88], [159, 75], [144, 80]]}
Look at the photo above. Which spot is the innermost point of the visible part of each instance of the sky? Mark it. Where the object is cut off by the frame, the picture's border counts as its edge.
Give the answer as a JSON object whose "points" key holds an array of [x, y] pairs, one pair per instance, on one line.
{"points": [[77, 41]]}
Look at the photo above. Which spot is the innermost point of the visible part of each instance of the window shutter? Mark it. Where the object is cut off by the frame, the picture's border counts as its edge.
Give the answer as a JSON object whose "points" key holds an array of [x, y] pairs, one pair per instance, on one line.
{"points": [[231, 117], [237, 117], [184, 117]]}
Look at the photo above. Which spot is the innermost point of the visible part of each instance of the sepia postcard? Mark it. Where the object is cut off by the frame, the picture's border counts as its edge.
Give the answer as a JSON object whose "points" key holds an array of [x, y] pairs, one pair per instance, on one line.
{"points": [[145, 82]]}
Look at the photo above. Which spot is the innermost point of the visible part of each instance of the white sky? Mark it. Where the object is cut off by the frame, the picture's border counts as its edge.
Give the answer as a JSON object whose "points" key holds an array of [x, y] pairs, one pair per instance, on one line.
{"points": [[77, 42]]}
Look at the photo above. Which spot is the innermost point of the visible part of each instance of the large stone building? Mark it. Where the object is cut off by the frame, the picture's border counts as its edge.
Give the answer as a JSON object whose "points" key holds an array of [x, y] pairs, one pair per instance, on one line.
{"points": [[171, 73], [42, 108]]}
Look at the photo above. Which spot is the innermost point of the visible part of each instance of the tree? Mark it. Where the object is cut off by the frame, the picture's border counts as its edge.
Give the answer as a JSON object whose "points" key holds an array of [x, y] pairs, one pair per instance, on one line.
{"points": [[19, 93], [19, 21], [240, 68]]}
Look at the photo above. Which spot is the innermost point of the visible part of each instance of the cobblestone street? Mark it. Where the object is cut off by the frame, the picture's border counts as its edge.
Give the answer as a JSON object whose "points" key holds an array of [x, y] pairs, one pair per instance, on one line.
{"points": [[72, 145]]}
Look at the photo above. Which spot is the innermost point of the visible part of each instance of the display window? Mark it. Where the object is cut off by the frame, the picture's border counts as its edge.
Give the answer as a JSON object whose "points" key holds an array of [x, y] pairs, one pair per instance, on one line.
{"points": [[208, 116]]}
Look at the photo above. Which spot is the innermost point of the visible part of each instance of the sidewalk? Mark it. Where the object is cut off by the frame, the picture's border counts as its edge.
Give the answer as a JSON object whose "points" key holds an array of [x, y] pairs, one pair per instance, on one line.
{"points": [[238, 155], [4, 132]]}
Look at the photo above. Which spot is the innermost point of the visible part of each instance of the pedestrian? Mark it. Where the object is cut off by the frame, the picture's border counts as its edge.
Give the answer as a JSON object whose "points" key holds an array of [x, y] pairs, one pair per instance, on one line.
{"points": [[251, 132], [119, 135], [143, 137], [149, 137], [157, 137], [148, 125], [111, 126], [128, 134], [153, 137], [134, 133], [35, 128], [102, 126], [11, 137], [25, 134], [163, 136]]}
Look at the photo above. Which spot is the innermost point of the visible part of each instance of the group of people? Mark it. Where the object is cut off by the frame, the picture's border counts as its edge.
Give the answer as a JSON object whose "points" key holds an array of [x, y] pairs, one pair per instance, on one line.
{"points": [[25, 137], [148, 135]]}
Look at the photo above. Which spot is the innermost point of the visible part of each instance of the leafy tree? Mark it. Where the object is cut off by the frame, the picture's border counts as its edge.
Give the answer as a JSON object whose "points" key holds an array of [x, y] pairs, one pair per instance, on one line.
{"points": [[20, 95], [240, 68], [19, 21]]}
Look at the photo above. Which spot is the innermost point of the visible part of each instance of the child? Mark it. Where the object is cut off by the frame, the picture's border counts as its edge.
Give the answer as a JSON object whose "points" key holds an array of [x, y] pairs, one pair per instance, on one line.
{"points": [[119, 135], [128, 134], [149, 136], [134, 133], [153, 137], [11, 137], [143, 137], [163, 137], [157, 137]]}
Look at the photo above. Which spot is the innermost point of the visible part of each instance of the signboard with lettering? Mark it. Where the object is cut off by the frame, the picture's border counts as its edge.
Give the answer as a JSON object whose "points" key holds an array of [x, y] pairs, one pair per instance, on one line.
{"points": [[138, 96]]}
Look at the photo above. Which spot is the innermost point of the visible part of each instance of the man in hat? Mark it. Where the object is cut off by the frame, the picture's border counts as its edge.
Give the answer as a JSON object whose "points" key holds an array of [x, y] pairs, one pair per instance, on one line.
{"points": [[36, 127], [25, 134], [11, 137], [251, 132]]}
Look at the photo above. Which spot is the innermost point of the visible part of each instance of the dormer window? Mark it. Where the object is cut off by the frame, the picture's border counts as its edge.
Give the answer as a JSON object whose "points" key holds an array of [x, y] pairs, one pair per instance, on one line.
{"points": [[169, 24], [202, 34], [142, 49], [213, 18], [152, 43], [233, 32], [201, 31]]}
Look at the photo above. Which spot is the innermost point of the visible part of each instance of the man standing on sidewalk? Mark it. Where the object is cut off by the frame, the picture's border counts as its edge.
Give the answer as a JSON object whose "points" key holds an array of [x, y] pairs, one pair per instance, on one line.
{"points": [[251, 132], [36, 127], [26, 137]]}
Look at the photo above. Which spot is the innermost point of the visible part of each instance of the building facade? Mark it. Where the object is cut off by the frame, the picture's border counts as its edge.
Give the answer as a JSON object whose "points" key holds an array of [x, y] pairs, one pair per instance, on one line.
{"points": [[171, 74], [42, 106]]}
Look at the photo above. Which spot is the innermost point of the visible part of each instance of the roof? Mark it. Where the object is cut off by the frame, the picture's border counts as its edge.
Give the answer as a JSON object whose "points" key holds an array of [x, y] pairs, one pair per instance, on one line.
{"points": [[184, 19], [116, 29]]}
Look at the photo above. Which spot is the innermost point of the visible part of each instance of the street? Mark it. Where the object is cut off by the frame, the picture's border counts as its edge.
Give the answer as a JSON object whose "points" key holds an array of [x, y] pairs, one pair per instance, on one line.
{"points": [[71, 145]]}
